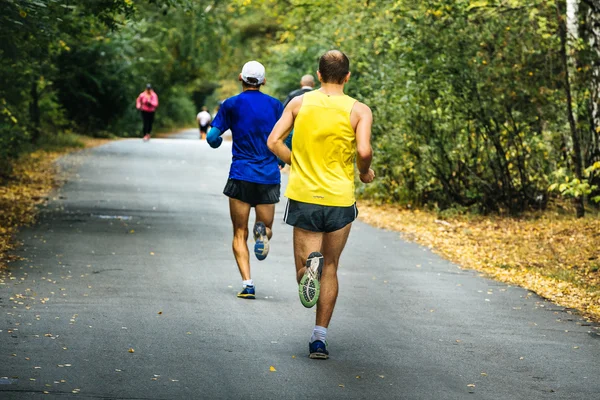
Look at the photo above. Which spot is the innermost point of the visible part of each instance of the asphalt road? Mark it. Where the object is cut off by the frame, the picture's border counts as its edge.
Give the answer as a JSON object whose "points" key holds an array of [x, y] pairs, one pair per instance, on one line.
{"points": [[127, 291]]}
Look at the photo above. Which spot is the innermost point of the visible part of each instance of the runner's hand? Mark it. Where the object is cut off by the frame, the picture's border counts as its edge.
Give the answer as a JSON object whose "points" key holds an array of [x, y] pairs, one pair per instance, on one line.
{"points": [[368, 177]]}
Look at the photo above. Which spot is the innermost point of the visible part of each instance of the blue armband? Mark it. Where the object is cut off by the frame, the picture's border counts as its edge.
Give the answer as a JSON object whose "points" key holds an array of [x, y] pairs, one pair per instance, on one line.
{"points": [[214, 138]]}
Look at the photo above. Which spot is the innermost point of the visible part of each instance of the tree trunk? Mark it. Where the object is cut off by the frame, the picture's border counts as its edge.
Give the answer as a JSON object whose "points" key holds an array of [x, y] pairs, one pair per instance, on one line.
{"points": [[576, 156], [593, 36], [571, 38], [572, 20], [34, 110]]}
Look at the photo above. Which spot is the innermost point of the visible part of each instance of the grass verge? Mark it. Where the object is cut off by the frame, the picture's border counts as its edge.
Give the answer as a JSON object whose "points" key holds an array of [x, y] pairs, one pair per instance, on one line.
{"points": [[554, 255]]}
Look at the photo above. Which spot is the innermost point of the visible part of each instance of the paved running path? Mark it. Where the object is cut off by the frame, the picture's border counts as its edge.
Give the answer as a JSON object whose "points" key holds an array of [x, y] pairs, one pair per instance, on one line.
{"points": [[134, 253]]}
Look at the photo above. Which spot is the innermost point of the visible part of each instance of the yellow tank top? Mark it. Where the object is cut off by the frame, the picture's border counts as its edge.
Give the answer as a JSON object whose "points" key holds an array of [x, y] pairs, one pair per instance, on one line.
{"points": [[323, 151]]}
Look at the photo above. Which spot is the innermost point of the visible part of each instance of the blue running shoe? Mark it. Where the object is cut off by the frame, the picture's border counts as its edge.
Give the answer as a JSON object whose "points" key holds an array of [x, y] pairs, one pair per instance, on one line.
{"points": [[318, 350], [247, 293], [309, 287], [261, 247]]}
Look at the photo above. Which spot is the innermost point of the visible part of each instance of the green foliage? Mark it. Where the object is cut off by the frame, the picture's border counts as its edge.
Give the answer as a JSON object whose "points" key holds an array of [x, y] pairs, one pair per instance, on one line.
{"points": [[12, 138], [94, 85], [180, 109], [60, 140], [34, 35], [81, 64], [468, 97], [573, 187]]}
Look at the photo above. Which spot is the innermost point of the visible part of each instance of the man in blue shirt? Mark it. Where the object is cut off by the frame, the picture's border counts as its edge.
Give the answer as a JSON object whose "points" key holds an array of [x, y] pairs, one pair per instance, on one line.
{"points": [[254, 179], [307, 84]]}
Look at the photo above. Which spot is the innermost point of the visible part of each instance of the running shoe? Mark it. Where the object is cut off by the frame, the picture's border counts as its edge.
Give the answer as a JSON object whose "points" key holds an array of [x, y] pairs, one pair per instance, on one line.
{"points": [[309, 286], [261, 247], [318, 350], [247, 292], [146, 137]]}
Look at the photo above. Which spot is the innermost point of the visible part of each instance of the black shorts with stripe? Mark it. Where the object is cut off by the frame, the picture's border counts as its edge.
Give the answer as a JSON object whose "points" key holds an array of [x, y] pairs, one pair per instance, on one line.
{"points": [[252, 193], [318, 218], [203, 128]]}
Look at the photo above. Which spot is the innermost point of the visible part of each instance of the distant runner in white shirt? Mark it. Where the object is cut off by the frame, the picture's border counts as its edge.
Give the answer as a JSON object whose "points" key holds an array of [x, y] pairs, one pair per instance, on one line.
{"points": [[204, 119]]}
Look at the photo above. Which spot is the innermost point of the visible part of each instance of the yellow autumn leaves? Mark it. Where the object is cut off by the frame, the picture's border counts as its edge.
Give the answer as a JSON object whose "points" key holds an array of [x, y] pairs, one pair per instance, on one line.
{"points": [[553, 254], [32, 179]]}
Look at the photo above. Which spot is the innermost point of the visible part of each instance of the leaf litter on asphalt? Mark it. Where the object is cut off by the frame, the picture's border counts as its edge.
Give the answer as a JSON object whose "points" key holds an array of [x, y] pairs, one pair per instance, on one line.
{"points": [[555, 255]]}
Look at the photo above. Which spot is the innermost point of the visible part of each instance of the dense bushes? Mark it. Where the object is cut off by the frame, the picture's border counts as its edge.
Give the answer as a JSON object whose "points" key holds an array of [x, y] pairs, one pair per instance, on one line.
{"points": [[93, 86], [469, 97], [12, 139], [79, 65]]}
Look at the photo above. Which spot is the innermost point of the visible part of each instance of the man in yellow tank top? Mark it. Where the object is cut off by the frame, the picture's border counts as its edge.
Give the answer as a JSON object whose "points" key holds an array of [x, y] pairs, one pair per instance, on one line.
{"points": [[332, 131]]}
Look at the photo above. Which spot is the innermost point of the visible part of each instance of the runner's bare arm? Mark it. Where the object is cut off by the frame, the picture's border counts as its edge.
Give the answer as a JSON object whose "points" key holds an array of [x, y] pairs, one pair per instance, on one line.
{"points": [[363, 119], [282, 129]]}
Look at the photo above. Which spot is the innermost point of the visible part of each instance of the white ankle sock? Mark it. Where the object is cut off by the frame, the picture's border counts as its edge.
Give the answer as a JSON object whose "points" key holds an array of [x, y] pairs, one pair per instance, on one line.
{"points": [[319, 333], [249, 282]]}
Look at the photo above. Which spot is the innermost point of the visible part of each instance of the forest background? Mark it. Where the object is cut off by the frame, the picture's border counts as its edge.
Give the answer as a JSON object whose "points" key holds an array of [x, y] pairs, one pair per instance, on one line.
{"points": [[486, 112], [479, 105]]}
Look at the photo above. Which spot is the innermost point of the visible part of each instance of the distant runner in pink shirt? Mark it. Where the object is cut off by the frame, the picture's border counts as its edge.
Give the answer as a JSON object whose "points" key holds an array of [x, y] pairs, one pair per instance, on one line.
{"points": [[147, 102]]}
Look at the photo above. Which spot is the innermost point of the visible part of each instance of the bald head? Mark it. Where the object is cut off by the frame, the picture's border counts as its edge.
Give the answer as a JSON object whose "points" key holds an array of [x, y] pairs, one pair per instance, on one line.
{"points": [[334, 67], [307, 80]]}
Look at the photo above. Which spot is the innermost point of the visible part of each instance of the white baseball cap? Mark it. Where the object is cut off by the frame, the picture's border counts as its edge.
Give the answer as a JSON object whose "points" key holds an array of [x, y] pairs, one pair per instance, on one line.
{"points": [[253, 70]]}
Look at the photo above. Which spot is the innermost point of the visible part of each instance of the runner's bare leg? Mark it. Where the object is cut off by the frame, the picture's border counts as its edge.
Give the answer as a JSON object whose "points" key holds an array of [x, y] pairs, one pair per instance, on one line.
{"points": [[240, 213], [305, 242], [332, 247], [266, 214]]}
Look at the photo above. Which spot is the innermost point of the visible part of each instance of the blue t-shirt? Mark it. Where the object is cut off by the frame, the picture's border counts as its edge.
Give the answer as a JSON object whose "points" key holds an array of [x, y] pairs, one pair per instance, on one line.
{"points": [[251, 116]]}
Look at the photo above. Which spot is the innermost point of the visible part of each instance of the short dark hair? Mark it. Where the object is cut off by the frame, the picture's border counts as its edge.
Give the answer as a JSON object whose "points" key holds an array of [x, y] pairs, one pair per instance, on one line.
{"points": [[250, 83], [334, 66]]}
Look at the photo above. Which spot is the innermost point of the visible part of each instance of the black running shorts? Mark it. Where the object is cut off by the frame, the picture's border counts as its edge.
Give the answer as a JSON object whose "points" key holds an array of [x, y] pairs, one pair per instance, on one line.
{"points": [[203, 128], [318, 218], [252, 193]]}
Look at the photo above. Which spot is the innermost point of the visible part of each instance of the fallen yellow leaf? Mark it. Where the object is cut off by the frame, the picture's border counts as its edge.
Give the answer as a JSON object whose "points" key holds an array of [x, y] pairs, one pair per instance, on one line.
{"points": [[531, 250], [131, 350], [272, 368]]}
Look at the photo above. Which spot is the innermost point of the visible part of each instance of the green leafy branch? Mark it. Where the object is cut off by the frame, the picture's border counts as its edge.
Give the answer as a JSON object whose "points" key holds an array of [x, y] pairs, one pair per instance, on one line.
{"points": [[569, 186]]}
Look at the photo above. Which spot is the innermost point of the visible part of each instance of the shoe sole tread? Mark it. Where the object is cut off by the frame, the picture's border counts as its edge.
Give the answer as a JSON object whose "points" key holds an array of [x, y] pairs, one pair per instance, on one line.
{"points": [[261, 247], [306, 281]]}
